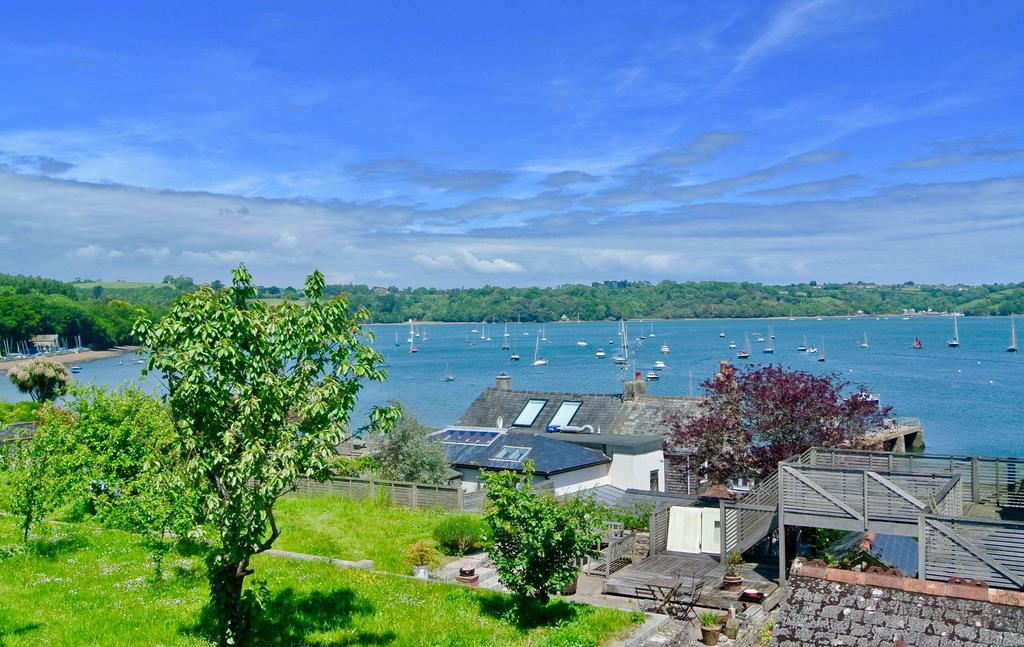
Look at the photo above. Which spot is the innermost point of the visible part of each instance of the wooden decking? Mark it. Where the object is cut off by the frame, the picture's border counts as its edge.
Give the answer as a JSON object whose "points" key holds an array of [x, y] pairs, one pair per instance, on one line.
{"points": [[688, 566]]}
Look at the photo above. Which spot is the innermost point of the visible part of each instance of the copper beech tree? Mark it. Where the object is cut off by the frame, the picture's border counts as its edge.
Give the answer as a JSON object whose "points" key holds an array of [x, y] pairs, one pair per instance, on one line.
{"points": [[259, 396], [751, 419]]}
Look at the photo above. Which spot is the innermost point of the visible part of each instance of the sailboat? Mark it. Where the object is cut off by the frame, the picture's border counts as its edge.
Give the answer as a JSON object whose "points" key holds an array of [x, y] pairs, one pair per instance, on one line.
{"points": [[864, 344], [396, 339], [448, 376], [803, 347], [537, 359], [623, 355], [955, 342], [769, 349], [821, 355], [745, 353], [651, 334], [771, 333], [917, 344], [504, 342], [543, 335], [1012, 348]]}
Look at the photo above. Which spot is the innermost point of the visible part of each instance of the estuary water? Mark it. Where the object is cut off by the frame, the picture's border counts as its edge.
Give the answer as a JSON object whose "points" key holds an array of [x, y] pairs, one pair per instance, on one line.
{"points": [[968, 398]]}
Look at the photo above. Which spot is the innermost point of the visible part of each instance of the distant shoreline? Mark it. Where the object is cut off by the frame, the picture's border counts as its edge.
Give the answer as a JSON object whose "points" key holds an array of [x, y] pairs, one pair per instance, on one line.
{"points": [[917, 315], [71, 358]]}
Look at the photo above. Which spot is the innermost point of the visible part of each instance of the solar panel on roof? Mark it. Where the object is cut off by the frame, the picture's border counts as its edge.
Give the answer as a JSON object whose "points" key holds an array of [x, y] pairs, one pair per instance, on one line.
{"points": [[469, 436]]}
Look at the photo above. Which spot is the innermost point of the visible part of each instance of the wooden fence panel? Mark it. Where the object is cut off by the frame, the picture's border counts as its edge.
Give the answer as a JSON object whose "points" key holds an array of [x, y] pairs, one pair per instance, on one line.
{"points": [[409, 495]]}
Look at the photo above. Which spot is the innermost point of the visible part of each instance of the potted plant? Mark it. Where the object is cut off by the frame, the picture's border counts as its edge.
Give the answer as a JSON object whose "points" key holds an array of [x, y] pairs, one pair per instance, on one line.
{"points": [[732, 580], [421, 555], [710, 627]]}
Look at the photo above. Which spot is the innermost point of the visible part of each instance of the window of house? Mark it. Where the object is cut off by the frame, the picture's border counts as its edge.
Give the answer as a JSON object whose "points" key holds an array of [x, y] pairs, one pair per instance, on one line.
{"points": [[510, 453], [529, 413], [654, 480], [564, 415]]}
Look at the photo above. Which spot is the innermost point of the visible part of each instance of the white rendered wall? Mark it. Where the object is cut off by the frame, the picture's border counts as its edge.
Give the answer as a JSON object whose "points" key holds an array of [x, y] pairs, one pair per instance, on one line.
{"points": [[634, 470]]}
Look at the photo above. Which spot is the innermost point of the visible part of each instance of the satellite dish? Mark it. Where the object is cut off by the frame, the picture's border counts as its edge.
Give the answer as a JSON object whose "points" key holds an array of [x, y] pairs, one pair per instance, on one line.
{"points": [[500, 423]]}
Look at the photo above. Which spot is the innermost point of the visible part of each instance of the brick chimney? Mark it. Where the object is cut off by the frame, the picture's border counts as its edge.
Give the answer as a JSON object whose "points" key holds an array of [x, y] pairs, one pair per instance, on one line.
{"points": [[503, 382]]}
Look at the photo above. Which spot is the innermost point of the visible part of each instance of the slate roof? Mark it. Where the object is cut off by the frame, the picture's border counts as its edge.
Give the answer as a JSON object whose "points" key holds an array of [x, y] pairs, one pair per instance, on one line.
{"points": [[649, 414], [820, 611], [895, 551], [608, 413], [597, 410], [614, 497], [549, 456]]}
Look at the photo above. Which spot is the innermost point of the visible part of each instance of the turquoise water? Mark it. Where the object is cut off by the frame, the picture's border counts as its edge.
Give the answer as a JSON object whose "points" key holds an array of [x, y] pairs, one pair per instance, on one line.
{"points": [[969, 399]]}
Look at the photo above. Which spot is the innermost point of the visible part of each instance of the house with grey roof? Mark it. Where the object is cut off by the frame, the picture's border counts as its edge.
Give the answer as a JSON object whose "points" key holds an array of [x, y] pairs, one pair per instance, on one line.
{"points": [[568, 432]]}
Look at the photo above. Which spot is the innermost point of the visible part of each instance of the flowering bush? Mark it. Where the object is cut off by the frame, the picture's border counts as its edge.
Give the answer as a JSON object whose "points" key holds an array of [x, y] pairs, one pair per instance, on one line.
{"points": [[41, 378]]}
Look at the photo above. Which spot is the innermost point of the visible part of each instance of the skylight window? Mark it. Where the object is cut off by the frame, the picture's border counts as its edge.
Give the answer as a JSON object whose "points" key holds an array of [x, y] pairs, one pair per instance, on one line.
{"points": [[529, 413], [510, 453], [565, 414]]}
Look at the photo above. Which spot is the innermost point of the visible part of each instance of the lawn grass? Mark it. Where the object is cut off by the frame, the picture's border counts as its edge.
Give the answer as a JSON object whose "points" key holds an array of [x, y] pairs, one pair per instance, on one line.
{"points": [[339, 527], [87, 586]]}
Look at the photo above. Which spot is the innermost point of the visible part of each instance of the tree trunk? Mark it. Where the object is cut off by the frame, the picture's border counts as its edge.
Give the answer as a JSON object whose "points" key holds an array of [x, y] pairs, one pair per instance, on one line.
{"points": [[230, 611]]}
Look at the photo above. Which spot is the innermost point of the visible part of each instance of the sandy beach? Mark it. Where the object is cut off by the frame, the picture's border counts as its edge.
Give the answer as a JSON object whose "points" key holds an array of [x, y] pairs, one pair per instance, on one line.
{"points": [[73, 358]]}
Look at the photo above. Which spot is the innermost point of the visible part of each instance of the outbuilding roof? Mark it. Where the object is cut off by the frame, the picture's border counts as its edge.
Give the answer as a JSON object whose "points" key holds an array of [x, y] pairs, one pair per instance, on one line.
{"points": [[499, 450]]}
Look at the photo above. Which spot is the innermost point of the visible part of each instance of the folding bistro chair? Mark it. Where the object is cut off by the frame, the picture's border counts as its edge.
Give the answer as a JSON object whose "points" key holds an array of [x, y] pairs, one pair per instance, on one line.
{"points": [[646, 598], [681, 606]]}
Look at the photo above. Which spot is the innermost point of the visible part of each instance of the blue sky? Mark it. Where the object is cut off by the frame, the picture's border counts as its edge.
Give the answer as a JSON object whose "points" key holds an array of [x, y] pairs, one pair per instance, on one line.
{"points": [[514, 144]]}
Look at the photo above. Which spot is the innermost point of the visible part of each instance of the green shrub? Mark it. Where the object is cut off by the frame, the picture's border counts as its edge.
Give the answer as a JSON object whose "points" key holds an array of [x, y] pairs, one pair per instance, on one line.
{"points": [[422, 553], [460, 534]]}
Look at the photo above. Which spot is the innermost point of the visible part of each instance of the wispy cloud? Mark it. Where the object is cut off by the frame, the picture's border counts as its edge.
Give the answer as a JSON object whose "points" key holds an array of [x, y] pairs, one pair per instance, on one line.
{"points": [[404, 170], [63, 228], [985, 148], [701, 149], [567, 178], [830, 186], [790, 24]]}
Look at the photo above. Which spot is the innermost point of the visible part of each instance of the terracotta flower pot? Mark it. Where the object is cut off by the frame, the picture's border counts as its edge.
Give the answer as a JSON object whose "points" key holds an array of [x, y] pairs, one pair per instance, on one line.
{"points": [[732, 582], [709, 635]]}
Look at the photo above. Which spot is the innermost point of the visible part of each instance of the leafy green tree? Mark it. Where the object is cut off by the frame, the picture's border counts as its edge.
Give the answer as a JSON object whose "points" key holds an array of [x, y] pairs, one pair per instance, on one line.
{"points": [[37, 473], [259, 397], [41, 378], [404, 453], [537, 541]]}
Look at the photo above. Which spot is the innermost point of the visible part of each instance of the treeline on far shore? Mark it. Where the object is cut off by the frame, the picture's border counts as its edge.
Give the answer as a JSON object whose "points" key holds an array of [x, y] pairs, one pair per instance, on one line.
{"points": [[102, 313]]}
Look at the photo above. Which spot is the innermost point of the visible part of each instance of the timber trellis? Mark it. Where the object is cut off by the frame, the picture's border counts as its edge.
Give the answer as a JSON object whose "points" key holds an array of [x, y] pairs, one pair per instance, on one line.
{"points": [[408, 495], [921, 495], [418, 496]]}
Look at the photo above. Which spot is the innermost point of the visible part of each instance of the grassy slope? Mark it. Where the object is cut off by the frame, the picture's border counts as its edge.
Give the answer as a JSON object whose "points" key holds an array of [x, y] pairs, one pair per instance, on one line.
{"points": [[337, 527], [84, 586]]}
